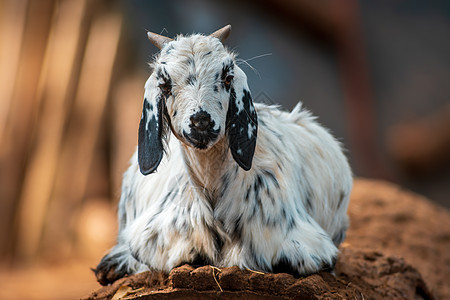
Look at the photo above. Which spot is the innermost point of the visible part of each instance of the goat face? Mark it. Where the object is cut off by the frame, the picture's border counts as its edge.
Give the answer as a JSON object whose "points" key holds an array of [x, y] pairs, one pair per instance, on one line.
{"points": [[198, 92], [200, 72]]}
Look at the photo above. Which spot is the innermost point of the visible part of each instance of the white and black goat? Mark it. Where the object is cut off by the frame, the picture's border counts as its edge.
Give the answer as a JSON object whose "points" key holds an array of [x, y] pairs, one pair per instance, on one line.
{"points": [[240, 184]]}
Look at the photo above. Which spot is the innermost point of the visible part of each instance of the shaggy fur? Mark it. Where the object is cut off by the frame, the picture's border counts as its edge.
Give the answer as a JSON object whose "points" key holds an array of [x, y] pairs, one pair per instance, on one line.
{"points": [[259, 188]]}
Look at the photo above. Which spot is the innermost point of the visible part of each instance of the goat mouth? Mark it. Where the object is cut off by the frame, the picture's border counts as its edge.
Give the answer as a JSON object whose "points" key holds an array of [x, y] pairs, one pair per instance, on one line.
{"points": [[201, 139]]}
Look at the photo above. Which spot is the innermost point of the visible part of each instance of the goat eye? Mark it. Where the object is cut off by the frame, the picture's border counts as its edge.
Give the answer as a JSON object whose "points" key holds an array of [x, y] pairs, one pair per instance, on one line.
{"points": [[228, 80], [165, 88]]}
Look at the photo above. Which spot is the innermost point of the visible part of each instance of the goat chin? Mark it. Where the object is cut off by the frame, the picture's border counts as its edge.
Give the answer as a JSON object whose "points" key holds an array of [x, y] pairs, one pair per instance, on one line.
{"points": [[269, 193]]}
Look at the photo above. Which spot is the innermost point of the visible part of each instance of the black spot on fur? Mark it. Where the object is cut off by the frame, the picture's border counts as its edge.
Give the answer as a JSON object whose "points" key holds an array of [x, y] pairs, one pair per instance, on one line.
{"points": [[308, 202], [258, 185], [341, 199], [280, 166], [218, 241], [207, 53], [247, 194], [170, 196], [215, 88], [184, 226], [108, 270], [339, 237], [259, 180], [220, 105], [174, 221], [256, 189], [235, 232], [327, 267], [272, 199], [166, 86], [272, 177], [284, 266], [174, 113], [291, 223], [199, 260], [135, 255], [166, 198], [190, 61], [271, 222], [316, 259], [161, 73], [191, 79]]}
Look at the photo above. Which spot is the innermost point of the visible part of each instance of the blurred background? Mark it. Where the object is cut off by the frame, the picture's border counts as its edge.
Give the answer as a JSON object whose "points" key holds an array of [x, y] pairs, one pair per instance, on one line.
{"points": [[72, 72]]}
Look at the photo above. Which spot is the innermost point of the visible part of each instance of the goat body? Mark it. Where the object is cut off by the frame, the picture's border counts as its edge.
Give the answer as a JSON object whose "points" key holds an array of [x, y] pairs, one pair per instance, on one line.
{"points": [[241, 184]]}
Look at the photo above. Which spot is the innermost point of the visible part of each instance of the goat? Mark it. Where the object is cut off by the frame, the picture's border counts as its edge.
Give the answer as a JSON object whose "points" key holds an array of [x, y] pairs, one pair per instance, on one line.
{"points": [[241, 184]]}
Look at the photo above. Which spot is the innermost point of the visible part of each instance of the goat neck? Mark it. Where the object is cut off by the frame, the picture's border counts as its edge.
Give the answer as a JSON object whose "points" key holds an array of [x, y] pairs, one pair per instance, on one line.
{"points": [[207, 167]]}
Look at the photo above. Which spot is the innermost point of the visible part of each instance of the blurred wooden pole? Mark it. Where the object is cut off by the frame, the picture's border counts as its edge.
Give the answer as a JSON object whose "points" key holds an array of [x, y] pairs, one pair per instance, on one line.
{"points": [[56, 95], [23, 110], [12, 24], [84, 129]]}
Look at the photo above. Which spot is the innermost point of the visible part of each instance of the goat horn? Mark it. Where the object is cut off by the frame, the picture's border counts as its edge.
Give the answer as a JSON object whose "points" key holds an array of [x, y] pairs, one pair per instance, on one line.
{"points": [[222, 33], [158, 40]]}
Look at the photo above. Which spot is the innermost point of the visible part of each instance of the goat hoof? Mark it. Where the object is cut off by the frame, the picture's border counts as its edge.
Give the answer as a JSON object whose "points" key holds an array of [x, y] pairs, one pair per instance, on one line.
{"points": [[106, 272]]}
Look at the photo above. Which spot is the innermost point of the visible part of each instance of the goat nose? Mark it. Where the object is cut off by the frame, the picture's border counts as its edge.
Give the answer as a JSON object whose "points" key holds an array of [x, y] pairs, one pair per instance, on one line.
{"points": [[201, 121]]}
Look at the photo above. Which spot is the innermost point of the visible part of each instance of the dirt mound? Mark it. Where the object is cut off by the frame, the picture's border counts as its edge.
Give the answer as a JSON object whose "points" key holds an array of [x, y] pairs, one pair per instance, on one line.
{"points": [[359, 275], [388, 219], [386, 223]]}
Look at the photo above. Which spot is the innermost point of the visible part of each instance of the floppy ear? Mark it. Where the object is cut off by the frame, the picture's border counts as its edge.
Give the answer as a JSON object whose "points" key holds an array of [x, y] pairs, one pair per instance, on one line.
{"points": [[242, 122], [151, 128]]}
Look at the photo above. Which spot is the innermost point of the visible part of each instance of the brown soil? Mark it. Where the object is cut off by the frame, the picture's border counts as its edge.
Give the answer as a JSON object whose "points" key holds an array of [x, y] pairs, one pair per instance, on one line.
{"points": [[387, 223], [386, 218]]}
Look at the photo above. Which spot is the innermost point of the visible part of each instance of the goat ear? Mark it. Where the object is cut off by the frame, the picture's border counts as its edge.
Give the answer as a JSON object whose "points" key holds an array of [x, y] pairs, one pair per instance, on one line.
{"points": [[151, 129], [242, 122]]}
